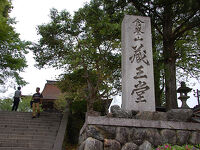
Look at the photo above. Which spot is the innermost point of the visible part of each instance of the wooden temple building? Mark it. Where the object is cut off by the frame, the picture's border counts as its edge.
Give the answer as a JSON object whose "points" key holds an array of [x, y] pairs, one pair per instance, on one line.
{"points": [[50, 93]]}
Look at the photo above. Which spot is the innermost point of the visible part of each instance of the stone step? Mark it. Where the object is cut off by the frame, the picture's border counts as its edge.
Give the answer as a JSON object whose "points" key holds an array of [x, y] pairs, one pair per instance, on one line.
{"points": [[34, 121], [40, 119], [18, 131], [37, 124], [29, 117], [31, 120], [25, 142], [29, 132], [20, 115], [22, 148], [29, 126], [27, 146], [28, 137], [26, 113]]}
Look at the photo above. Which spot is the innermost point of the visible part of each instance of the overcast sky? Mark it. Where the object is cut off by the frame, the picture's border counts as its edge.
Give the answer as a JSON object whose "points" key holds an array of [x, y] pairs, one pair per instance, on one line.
{"points": [[29, 14]]}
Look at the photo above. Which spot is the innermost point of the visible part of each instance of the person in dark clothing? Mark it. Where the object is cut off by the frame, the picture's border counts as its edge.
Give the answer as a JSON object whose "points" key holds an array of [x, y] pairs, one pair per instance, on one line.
{"points": [[36, 101], [17, 97]]}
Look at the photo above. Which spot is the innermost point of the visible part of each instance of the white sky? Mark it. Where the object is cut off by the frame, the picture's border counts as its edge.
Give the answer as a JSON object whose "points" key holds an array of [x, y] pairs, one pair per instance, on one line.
{"points": [[29, 14]]}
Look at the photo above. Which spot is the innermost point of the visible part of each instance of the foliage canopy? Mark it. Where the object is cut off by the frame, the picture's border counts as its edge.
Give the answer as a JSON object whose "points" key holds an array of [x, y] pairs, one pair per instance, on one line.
{"points": [[24, 104], [12, 49], [83, 44], [175, 33], [90, 42]]}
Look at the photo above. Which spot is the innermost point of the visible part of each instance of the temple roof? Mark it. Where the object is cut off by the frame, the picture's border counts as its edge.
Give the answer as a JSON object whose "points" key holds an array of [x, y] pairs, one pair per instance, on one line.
{"points": [[51, 90]]}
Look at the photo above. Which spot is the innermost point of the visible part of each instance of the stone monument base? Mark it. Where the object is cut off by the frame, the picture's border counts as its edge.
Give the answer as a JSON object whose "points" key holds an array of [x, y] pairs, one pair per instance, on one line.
{"points": [[109, 133]]}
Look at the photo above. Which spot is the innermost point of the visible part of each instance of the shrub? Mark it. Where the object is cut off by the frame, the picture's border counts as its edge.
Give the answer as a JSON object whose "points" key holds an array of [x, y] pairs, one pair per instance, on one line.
{"points": [[176, 147]]}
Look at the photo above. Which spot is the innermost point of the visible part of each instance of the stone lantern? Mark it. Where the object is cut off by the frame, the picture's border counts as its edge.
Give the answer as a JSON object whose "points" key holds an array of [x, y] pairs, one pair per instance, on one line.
{"points": [[183, 90]]}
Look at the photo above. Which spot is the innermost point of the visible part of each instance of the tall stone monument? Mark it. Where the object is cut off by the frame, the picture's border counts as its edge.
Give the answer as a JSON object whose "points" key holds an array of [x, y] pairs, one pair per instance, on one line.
{"points": [[137, 64]]}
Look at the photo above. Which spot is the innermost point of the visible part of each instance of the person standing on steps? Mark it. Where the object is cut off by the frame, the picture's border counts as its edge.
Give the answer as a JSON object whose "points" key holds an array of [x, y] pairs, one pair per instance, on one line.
{"points": [[36, 101], [17, 97]]}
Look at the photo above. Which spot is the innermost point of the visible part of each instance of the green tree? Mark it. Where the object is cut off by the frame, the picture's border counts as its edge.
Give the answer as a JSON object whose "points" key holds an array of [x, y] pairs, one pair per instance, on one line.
{"points": [[24, 104], [6, 104], [74, 42], [83, 43], [176, 22], [12, 49], [175, 30], [61, 103]]}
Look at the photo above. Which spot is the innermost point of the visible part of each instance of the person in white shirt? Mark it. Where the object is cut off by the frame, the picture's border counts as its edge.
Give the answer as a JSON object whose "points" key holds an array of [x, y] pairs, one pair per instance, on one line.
{"points": [[17, 97]]}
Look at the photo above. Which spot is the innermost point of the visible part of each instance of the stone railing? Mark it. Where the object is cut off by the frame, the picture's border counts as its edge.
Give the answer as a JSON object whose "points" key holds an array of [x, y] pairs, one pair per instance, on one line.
{"points": [[61, 131], [144, 131]]}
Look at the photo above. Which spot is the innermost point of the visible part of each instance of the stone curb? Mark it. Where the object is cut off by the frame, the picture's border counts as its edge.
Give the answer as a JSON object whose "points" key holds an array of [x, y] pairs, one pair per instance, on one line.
{"points": [[90, 120]]}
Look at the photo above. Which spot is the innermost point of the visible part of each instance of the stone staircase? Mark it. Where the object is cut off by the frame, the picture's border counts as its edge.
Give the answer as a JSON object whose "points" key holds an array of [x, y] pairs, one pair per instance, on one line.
{"points": [[18, 131]]}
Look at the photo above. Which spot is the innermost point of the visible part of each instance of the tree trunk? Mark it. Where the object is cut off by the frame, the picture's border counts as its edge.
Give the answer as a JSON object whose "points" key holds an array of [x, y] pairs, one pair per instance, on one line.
{"points": [[91, 93], [158, 90], [170, 83], [169, 59], [91, 97]]}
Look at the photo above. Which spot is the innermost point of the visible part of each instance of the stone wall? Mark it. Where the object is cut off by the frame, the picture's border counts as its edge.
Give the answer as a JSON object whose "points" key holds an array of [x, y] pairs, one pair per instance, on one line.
{"points": [[143, 131]]}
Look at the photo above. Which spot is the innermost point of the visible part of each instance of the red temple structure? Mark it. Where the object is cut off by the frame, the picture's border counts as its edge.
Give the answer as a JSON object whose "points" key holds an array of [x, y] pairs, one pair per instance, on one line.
{"points": [[50, 93]]}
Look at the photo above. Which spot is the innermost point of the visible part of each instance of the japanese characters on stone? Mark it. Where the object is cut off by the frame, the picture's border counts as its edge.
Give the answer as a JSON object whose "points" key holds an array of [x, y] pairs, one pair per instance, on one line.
{"points": [[137, 64], [139, 57]]}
